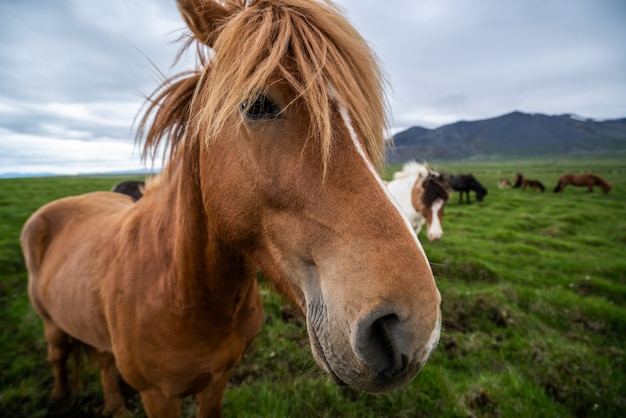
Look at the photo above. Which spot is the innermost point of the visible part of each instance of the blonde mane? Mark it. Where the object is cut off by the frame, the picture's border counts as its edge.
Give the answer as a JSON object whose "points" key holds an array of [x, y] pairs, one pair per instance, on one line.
{"points": [[309, 44]]}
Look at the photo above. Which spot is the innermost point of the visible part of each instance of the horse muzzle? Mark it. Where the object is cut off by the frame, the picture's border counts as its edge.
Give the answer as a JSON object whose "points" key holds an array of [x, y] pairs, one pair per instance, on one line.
{"points": [[382, 350]]}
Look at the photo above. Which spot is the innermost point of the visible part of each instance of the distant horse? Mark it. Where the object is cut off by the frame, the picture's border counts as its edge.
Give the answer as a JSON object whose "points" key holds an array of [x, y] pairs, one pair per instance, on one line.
{"points": [[272, 147], [517, 180], [422, 195], [464, 183], [504, 184], [582, 180], [533, 184], [524, 183], [132, 188]]}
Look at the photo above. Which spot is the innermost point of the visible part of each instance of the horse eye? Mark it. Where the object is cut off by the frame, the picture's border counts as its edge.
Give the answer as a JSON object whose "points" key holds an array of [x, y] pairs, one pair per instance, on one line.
{"points": [[261, 108]]}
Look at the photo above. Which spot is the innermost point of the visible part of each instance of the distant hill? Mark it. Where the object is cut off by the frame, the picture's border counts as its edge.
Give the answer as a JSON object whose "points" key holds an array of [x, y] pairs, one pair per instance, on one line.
{"points": [[512, 135]]}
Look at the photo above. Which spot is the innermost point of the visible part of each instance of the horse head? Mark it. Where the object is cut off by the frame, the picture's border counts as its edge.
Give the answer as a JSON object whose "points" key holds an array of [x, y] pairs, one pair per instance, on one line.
{"points": [[429, 197], [285, 129]]}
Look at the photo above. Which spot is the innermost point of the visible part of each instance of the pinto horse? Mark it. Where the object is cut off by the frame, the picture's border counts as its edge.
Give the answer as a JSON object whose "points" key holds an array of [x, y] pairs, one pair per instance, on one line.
{"points": [[421, 193], [464, 183], [273, 144], [132, 188], [582, 180], [504, 183]]}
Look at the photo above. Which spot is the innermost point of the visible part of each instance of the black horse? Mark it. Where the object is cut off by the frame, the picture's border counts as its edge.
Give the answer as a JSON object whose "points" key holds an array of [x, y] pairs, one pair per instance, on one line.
{"points": [[464, 183], [132, 188]]}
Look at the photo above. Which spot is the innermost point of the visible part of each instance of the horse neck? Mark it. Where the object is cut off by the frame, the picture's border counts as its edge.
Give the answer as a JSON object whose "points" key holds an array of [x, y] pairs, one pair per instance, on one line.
{"points": [[200, 270], [416, 194]]}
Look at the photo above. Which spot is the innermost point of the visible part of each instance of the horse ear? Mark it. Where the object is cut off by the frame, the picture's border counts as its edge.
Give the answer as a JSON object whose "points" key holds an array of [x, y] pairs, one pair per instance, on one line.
{"points": [[203, 17]]}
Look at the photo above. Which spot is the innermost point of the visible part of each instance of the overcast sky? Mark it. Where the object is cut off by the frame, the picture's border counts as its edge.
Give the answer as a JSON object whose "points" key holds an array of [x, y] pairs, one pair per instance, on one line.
{"points": [[73, 73]]}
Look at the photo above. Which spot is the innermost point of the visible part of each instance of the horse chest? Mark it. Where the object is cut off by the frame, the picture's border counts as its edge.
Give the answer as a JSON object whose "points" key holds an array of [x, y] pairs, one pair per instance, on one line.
{"points": [[186, 350]]}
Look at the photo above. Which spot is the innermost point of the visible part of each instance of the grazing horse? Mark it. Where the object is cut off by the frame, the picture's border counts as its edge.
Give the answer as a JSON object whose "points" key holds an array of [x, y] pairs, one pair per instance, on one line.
{"points": [[522, 182], [272, 147], [133, 188], [421, 193], [533, 184], [504, 183], [464, 183], [582, 180], [517, 180]]}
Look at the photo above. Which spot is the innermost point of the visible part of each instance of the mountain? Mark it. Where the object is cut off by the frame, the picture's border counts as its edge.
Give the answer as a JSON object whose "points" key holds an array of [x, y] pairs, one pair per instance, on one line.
{"points": [[512, 135]]}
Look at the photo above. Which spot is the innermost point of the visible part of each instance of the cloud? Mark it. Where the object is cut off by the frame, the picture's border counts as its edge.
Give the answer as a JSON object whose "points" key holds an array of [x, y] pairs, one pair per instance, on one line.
{"points": [[22, 153], [75, 70]]}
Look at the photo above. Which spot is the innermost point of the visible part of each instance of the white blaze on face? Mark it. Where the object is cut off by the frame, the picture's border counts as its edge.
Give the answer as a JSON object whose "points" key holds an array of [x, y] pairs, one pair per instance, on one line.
{"points": [[435, 232], [436, 332], [355, 140]]}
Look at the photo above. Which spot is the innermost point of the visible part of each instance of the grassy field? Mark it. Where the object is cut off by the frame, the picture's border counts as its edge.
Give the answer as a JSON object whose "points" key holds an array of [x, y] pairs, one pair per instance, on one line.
{"points": [[534, 307]]}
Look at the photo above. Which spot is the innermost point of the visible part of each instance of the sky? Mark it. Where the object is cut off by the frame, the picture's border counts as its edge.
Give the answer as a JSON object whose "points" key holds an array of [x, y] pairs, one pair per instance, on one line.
{"points": [[74, 73]]}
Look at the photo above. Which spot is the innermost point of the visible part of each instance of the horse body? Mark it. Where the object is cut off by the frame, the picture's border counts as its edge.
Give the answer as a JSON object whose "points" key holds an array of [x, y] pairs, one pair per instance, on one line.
{"points": [[422, 196], [272, 166], [525, 183], [582, 180], [464, 183], [533, 185]]}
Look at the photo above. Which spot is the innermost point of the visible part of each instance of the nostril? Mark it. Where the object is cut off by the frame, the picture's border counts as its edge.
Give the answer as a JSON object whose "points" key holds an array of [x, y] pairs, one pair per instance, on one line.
{"points": [[376, 346]]}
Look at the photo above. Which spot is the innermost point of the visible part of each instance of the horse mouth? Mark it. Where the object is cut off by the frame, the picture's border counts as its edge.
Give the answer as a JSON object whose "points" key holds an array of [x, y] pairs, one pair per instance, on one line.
{"points": [[318, 351], [381, 383]]}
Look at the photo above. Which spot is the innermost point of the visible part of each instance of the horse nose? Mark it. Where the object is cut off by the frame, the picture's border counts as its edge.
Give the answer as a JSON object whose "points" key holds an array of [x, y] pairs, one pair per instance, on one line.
{"points": [[387, 345], [435, 236]]}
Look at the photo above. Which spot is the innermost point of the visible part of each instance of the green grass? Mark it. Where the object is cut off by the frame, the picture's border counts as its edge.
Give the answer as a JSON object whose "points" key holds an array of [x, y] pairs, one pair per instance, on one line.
{"points": [[534, 308]]}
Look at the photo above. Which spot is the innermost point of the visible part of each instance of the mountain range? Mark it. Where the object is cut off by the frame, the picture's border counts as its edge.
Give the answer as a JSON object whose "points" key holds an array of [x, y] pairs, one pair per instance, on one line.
{"points": [[513, 135]]}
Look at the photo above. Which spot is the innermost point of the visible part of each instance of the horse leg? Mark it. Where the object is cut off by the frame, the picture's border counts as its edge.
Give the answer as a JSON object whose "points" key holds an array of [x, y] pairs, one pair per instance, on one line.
{"points": [[209, 402], [59, 347], [113, 399], [158, 405]]}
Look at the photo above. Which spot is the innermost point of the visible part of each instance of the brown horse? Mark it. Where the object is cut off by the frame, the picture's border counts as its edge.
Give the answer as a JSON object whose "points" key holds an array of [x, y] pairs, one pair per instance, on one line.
{"points": [[517, 180], [272, 144], [524, 183], [533, 184], [582, 180]]}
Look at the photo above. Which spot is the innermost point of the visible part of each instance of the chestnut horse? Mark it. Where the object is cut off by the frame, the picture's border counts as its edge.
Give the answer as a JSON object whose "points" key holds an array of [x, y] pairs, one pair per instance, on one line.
{"points": [[272, 147], [524, 183], [582, 180], [421, 193]]}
